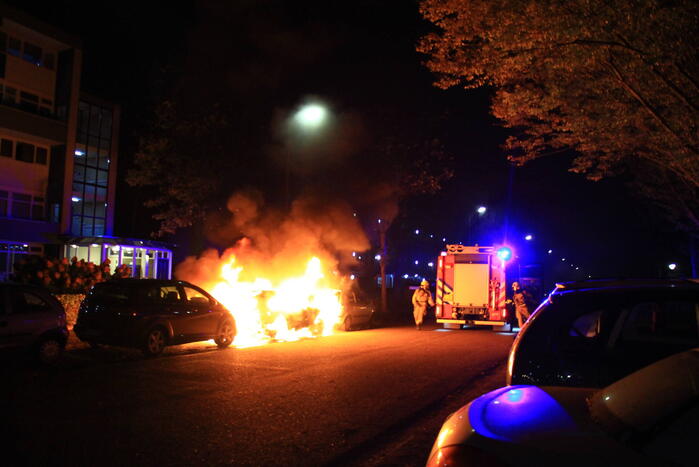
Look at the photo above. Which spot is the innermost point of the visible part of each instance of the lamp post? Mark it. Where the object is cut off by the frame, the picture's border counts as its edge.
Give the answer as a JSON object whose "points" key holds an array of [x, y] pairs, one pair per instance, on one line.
{"points": [[480, 212], [307, 122]]}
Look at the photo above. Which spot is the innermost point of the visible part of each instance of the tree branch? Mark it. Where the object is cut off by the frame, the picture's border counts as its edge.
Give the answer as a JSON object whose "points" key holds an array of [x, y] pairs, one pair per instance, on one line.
{"points": [[646, 105]]}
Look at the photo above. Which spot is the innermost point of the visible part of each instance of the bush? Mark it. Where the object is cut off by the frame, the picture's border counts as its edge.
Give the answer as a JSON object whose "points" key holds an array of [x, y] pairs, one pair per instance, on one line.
{"points": [[61, 276]]}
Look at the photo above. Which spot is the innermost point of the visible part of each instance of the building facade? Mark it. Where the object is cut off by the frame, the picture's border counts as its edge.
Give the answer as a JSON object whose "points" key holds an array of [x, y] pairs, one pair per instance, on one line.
{"points": [[58, 156]]}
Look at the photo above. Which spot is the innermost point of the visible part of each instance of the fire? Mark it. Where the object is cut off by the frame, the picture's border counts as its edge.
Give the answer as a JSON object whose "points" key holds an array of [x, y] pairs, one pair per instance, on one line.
{"points": [[295, 308]]}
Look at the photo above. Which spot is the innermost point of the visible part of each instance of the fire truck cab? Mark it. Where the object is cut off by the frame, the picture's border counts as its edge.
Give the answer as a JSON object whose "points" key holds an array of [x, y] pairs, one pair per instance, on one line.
{"points": [[471, 286]]}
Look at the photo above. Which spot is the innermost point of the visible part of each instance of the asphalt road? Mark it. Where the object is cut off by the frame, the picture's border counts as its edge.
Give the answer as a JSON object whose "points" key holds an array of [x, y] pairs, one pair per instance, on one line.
{"points": [[374, 397]]}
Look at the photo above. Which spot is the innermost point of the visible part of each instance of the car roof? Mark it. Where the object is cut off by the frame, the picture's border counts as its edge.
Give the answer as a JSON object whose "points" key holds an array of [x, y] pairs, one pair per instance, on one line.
{"points": [[624, 285], [133, 282]]}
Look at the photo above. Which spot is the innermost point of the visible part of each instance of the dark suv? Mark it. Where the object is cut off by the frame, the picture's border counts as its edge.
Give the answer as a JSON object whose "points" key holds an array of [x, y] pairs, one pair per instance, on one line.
{"points": [[32, 319], [151, 314], [592, 333]]}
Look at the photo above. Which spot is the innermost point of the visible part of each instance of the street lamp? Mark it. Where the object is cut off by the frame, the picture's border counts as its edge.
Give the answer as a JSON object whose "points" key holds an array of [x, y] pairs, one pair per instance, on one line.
{"points": [[672, 266], [481, 210], [529, 237], [310, 117]]}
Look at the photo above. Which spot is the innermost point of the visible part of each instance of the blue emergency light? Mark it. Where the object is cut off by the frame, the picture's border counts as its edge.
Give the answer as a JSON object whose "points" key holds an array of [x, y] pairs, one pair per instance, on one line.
{"points": [[504, 253]]}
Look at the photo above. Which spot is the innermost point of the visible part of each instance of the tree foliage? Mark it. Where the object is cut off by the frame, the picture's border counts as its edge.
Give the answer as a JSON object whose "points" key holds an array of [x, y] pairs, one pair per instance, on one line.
{"points": [[613, 81], [180, 163]]}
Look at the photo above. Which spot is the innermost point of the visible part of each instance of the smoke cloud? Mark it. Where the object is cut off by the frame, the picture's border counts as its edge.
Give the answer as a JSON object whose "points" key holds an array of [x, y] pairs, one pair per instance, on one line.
{"points": [[274, 244]]}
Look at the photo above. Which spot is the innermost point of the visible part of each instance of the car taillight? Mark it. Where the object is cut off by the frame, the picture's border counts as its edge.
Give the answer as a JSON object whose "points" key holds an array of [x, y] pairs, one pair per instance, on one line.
{"points": [[463, 455]]}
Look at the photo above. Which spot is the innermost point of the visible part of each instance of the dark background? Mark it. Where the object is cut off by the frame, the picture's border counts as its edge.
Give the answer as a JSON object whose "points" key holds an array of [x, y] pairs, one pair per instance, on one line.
{"points": [[265, 56]]}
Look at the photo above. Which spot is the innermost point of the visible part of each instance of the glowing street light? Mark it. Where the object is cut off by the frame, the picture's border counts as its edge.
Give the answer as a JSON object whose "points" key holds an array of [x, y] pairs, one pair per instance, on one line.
{"points": [[672, 266], [529, 237], [481, 210], [311, 116]]}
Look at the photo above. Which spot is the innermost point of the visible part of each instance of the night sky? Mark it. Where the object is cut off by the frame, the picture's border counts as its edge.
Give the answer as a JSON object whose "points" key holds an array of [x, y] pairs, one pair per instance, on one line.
{"points": [[267, 56]]}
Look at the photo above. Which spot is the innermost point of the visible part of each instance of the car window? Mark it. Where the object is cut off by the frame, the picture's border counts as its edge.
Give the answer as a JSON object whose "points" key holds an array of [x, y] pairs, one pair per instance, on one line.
{"points": [[27, 302], [672, 322], [168, 293], [111, 293], [195, 296], [587, 326]]}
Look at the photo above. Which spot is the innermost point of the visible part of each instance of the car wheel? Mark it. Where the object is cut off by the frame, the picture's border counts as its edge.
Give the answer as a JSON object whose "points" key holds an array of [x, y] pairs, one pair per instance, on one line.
{"points": [[49, 351], [226, 334], [155, 342], [347, 324]]}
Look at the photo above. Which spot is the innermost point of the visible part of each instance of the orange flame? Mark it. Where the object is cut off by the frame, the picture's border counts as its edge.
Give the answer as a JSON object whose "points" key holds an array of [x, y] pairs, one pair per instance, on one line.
{"points": [[295, 308]]}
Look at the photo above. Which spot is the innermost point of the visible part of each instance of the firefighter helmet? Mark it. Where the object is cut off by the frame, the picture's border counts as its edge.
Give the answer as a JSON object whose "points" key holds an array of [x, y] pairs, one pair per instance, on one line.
{"points": [[424, 283]]}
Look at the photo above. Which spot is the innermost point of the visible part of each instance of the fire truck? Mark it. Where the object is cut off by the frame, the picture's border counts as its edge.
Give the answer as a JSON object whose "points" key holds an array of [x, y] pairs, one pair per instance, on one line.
{"points": [[471, 286]]}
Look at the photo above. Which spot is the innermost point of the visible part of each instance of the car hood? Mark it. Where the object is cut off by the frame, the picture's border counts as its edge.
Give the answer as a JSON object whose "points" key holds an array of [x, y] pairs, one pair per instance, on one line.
{"points": [[519, 414]]}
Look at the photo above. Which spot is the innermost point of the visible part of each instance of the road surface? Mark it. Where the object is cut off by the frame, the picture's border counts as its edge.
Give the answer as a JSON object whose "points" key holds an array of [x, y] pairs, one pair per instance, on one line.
{"points": [[372, 397]]}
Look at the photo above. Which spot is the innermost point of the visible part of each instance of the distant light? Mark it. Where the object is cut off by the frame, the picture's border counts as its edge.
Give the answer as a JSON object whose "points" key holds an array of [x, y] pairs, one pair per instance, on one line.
{"points": [[74, 246], [311, 116], [672, 266], [528, 237], [25, 245], [354, 214], [79, 153], [417, 231], [504, 253], [354, 253], [550, 251], [352, 277], [430, 265], [481, 210], [379, 221], [417, 262], [444, 239], [444, 253], [94, 244], [405, 276], [431, 236], [75, 199], [563, 259], [576, 268], [359, 257], [415, 275], [377, 257]]}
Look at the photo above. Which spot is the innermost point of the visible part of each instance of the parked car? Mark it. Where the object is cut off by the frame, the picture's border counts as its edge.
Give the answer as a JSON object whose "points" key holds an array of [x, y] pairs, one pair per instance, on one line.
{"points": [[592, 333], [32, 320], [648, 418], [150, 314], [357, 311]]}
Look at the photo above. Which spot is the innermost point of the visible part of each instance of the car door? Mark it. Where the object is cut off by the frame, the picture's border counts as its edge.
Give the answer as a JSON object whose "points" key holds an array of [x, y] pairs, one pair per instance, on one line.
{"points": [[164, 303], [651, 328], [204, 316]]}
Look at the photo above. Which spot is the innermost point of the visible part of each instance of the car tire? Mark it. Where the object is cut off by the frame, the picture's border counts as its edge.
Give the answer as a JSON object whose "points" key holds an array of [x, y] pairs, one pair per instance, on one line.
{"points": [[49, 350], [347, 324], [155, 342], [226, 334]]}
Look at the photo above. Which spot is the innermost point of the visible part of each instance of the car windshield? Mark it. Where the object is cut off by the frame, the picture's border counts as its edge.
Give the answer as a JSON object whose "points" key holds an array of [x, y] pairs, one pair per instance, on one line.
{"points": [[649, 397]]}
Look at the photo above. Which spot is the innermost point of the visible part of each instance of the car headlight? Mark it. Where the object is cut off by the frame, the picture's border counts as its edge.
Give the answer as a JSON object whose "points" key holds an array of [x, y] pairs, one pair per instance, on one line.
{"points": [[463, 455]]}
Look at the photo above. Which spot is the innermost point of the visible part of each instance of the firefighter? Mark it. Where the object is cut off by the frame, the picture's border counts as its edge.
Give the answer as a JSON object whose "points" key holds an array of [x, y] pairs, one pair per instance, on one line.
{"points": [[520, 300], [422, 297]]}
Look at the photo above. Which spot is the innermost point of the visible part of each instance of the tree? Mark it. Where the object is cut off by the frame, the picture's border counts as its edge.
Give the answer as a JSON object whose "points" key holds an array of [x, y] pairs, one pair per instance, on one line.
{"points": [[615, 82], [180, 164]]}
